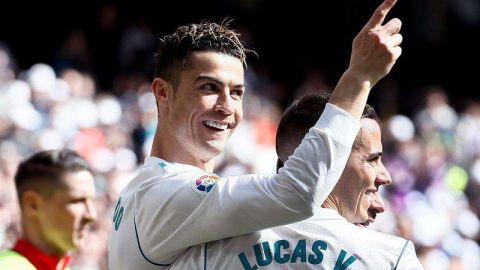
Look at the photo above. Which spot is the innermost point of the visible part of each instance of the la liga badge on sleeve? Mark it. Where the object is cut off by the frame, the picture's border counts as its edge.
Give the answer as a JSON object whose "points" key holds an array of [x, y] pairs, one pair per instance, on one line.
{"points": [[204, 183]]}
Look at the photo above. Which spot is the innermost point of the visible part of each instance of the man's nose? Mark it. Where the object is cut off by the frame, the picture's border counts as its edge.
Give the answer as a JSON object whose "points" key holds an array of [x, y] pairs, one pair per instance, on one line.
{"points": [[225, 102], [91, 212], [383, 176]]}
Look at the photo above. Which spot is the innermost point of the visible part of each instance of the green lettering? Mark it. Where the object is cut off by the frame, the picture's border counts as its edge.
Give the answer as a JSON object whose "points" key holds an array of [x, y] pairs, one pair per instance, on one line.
{"points": [[118, 214], [266, 251], [300, 252], [340, 264], [115, 213], [317, 248], [277, 247], [246, 263]]}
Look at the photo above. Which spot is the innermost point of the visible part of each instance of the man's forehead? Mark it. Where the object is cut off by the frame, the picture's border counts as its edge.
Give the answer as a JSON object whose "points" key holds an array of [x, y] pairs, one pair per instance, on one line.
{"points": [[369, 137], [210, 59], [225, 68], [80, 182]]}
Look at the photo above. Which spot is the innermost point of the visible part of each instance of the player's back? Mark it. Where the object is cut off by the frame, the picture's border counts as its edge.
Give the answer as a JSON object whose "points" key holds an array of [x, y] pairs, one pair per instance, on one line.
{"points": [[325, 241]]}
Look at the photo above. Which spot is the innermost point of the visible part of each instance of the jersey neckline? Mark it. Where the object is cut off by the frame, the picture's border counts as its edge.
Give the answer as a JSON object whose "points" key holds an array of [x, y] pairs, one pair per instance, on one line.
{"points": [[169, 166]]}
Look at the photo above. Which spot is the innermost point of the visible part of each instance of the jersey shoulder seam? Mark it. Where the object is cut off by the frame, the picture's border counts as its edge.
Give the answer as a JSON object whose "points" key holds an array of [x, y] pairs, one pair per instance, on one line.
{"points": [[401, 254]]}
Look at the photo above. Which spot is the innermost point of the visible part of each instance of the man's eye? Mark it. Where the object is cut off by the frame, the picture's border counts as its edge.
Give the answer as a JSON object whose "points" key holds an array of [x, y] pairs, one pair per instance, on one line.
{"points": [[208, 87], [77, 200], [237, 94]]}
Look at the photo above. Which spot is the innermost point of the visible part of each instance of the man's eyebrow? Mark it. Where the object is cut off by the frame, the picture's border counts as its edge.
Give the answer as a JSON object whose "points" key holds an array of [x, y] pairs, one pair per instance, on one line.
{"points": [[374, 155], [216, 80]]}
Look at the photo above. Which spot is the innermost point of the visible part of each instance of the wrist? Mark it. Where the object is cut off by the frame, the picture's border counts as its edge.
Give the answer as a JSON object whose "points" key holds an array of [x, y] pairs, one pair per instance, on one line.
{"points": [[356, 78], [351, 93]]}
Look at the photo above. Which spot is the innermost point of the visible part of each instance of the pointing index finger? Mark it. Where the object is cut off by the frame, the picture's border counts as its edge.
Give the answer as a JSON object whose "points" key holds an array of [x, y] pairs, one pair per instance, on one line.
{"points": [[380, 13]]}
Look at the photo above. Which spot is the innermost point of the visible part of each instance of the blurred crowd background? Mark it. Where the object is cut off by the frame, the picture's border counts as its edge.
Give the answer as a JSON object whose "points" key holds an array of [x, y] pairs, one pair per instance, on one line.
{"points": [[84, 83]]}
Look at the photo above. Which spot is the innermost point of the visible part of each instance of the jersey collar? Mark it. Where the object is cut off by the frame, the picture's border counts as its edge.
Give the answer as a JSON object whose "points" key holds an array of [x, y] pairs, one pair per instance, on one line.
{"points": [[326, 213], [172, 167], [38, 258]]}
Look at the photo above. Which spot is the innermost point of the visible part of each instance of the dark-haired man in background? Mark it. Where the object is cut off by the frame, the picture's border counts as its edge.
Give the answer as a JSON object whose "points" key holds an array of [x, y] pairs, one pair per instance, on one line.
{"points": [[55, 191]]}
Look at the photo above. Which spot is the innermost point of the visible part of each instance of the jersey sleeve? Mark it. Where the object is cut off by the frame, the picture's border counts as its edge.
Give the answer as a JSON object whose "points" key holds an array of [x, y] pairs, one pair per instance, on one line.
{"points": [[408, 259], [177, 213]]}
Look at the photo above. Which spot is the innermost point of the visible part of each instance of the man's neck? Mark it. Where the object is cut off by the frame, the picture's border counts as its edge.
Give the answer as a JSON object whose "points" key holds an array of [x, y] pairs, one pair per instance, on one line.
{"points": [[332, 202], [34, 237], [172, 151]]}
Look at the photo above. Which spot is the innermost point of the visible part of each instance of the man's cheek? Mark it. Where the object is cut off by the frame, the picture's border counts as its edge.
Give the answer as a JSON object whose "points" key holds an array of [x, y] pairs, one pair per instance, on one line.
{"points": [[371, 197], [367, 202]]}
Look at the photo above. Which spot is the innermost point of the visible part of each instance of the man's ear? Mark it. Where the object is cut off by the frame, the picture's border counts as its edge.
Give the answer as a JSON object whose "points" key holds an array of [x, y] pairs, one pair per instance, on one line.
{"points": [[162, 90], [31, 202]]}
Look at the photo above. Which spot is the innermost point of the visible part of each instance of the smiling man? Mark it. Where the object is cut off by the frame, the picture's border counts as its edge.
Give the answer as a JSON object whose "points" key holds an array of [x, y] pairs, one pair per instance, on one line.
{"points": [[200, 109], [55, 190], [176, 202], [355, 195]]}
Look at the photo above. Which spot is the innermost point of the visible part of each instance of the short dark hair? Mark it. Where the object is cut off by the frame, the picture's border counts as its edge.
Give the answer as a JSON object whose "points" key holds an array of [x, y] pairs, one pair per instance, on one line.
{"points": [[297, 120], [175, 48], [44, 170]]}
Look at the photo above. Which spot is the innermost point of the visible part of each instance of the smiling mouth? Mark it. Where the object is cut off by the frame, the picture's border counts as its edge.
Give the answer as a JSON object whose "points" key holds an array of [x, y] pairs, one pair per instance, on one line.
{"points": [[215, 125]]}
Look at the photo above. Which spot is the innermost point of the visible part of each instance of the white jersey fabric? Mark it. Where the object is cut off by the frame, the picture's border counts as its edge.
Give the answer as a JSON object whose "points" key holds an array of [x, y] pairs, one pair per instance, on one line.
{"points": [[169, 207], [325, 241]]}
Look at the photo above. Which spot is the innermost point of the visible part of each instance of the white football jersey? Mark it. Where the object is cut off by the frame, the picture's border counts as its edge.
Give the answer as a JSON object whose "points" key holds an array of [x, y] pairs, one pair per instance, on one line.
{"points": [[327, 241], [169, 207]]}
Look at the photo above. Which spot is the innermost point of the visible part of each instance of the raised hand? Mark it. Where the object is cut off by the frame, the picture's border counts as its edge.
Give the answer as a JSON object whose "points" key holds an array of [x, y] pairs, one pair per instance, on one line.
{"points": [[377, 47]]}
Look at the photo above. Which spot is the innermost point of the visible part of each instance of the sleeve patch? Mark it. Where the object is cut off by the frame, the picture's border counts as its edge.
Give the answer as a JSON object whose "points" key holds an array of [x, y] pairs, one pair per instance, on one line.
{"points": [[203, 184]]}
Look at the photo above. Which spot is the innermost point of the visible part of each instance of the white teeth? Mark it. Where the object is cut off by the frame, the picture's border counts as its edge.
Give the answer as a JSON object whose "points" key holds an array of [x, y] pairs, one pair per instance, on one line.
{"points": [[215, 124]]}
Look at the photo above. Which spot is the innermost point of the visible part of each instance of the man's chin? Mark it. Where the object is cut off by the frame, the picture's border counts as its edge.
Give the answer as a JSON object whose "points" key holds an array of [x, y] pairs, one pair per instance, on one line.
{"points": [[215, 147], [79, 242], [365, 224]]}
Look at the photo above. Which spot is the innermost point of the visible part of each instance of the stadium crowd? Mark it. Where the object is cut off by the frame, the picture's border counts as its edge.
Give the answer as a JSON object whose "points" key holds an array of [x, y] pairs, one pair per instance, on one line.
{"points": [[433, 155]]}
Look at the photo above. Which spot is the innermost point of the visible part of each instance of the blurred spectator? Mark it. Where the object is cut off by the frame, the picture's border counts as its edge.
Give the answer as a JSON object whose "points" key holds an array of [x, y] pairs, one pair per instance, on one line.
{"points": [[55, 191], [437, 116], [7, 64], [313, 83], [135, 50], [74, 53]]}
